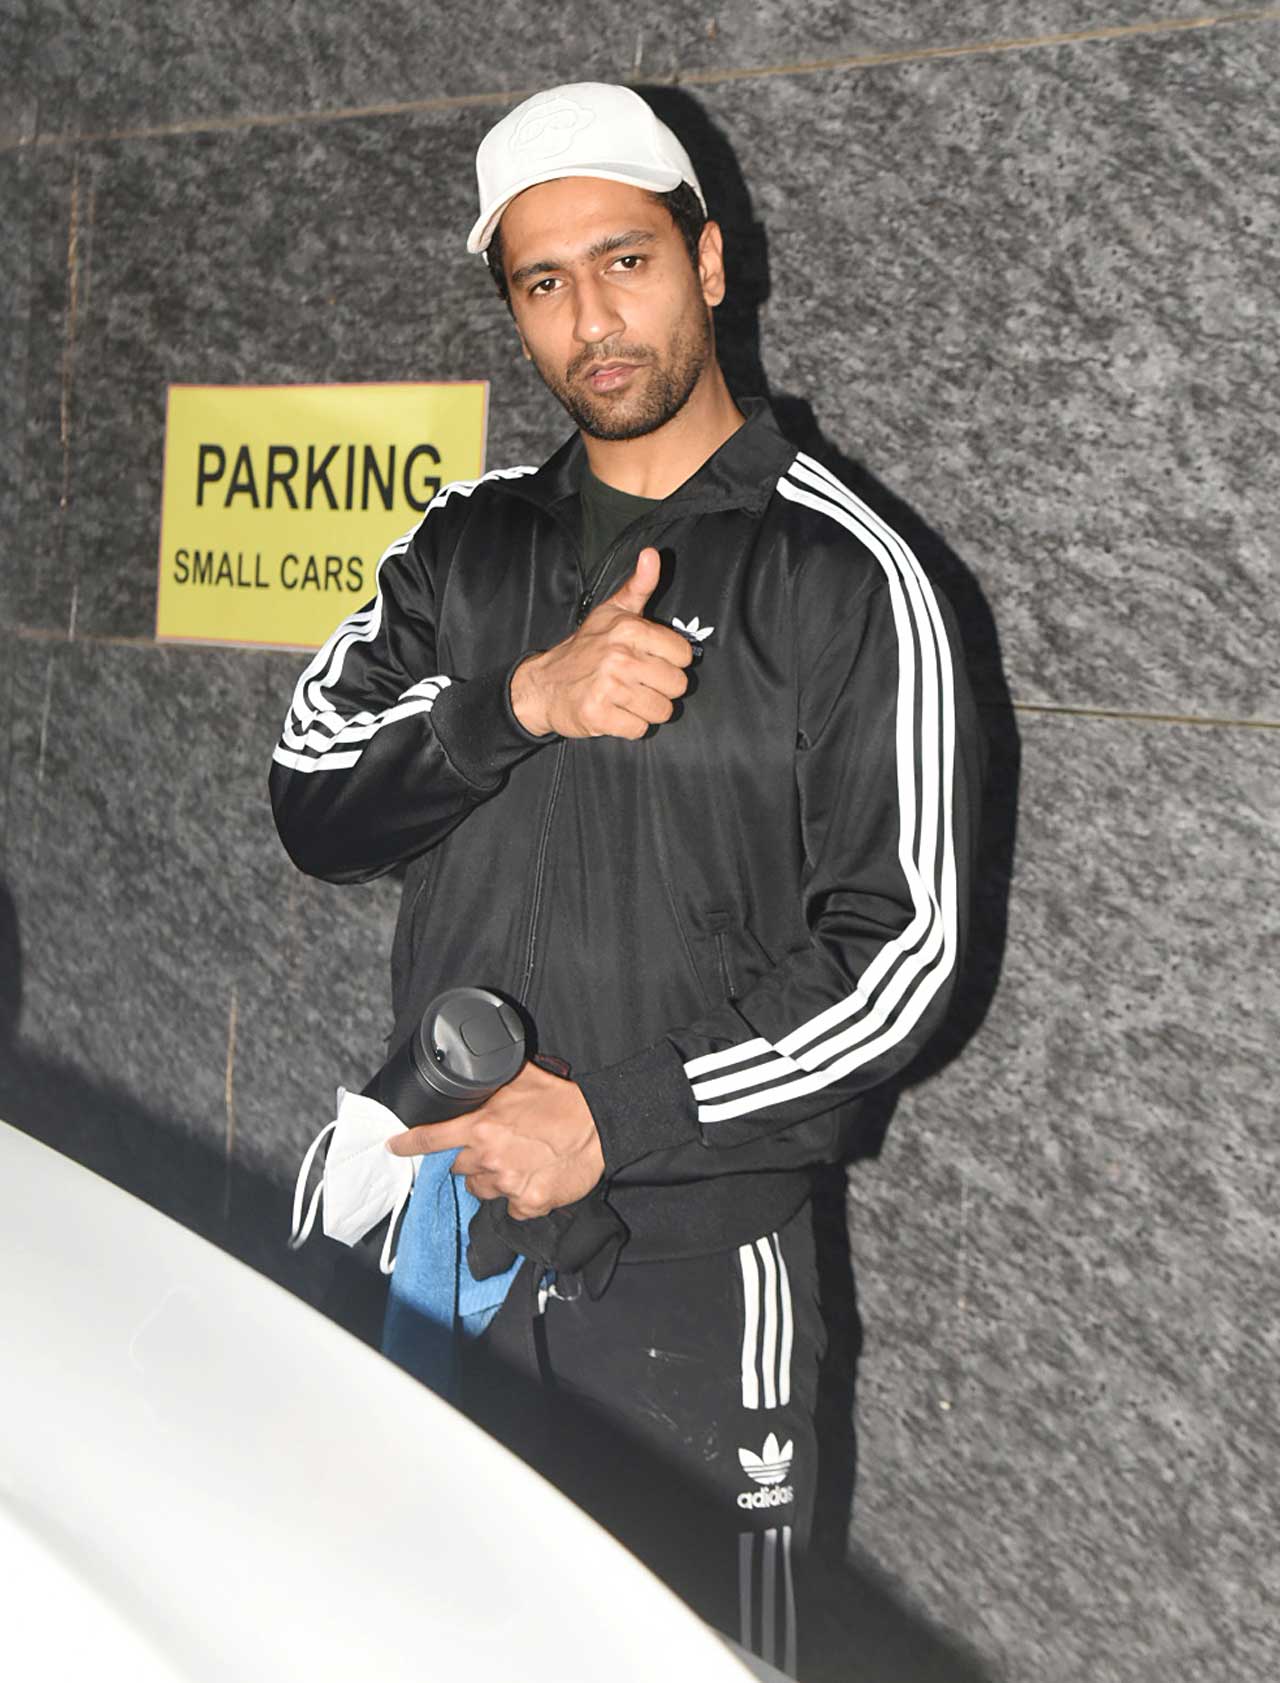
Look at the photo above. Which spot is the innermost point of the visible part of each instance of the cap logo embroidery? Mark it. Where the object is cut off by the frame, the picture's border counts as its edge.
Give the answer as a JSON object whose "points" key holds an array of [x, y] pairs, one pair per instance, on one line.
{"points": [[549, 130]]}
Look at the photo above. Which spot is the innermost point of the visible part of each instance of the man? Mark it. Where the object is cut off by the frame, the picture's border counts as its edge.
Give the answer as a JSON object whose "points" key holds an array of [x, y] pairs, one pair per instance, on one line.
{"points": [[672, 737]]}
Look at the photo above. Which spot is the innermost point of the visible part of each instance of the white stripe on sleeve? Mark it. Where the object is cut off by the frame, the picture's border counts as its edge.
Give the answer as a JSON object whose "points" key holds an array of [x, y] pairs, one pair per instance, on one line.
{"points": [[316, 737], [897, 985]]}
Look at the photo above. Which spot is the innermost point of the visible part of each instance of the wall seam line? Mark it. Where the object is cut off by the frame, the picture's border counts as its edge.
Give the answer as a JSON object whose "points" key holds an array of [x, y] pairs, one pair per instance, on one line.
{"points": [[42, 634], [974, 49], [1100, 33], [1130, 716]]}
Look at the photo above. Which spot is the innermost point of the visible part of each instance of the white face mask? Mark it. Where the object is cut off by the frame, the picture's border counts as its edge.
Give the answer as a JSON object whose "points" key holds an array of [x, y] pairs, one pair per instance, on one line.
{"points": [[362, 1180]]}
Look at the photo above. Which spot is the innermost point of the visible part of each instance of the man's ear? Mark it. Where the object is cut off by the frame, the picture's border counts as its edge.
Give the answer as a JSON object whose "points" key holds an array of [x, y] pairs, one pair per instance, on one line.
{"points": [[524, 346], [711, 263]]}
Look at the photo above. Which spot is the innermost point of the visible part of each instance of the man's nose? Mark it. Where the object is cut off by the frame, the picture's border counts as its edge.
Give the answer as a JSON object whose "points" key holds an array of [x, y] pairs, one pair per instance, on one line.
{"points": [[596, 315]]}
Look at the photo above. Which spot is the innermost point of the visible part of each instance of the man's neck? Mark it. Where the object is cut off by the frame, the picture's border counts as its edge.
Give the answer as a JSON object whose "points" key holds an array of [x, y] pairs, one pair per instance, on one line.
{"points": [[659, 463]]}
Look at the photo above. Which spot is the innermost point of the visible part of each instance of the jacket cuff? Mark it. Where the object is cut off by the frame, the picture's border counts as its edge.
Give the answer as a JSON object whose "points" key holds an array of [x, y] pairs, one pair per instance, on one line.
{"points": [[478, 730], [641, 1105]]}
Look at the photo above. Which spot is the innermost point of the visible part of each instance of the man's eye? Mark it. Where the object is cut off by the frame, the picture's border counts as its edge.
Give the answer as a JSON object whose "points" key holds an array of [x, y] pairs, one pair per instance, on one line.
{"points": [[538, 286], [631, 257]]}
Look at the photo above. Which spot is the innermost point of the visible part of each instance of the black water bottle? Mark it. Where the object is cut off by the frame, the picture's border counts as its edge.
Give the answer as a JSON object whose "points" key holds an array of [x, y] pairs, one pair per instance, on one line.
{"points": [[468, 1044]]}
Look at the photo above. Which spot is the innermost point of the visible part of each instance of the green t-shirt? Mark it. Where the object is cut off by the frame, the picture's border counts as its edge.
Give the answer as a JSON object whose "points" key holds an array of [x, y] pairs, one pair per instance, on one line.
{"points": [[605, 512]]}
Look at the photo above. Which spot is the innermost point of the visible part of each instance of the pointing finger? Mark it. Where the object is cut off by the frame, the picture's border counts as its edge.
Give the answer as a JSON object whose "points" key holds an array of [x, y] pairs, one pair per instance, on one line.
{"points": [[430, 1137]]}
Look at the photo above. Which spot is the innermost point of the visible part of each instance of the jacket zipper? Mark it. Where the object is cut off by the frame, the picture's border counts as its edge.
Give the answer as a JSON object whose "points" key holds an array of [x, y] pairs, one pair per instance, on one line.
{"points": [[726, 974], [587, 599], [539, 872]]}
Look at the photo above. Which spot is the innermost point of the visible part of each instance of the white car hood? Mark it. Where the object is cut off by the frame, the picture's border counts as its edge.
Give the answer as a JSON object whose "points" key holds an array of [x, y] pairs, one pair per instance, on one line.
{"points": [[201, 1478]]}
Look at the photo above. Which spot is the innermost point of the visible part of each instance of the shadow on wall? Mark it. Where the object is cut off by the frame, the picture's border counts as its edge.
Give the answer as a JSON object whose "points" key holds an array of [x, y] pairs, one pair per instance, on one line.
{"points": [[156, 1158], [867, 1601]]}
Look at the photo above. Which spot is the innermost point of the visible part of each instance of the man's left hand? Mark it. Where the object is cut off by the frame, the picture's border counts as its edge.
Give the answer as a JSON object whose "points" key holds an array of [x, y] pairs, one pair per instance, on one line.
{"points": [[534, 1143]]}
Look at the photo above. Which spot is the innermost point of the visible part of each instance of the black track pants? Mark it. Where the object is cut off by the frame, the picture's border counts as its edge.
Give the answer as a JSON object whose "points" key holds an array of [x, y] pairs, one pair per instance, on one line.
{"points": [[678, 1410]]}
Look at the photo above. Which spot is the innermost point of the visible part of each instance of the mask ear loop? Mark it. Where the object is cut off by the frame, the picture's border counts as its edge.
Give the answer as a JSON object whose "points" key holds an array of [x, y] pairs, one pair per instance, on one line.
{"points": [[387, 1262], [301, 1230]]}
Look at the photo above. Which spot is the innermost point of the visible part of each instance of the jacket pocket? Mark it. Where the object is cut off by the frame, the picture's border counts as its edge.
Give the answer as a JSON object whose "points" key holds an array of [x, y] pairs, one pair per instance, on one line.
{"points": [[730, 959], [415, 901]]}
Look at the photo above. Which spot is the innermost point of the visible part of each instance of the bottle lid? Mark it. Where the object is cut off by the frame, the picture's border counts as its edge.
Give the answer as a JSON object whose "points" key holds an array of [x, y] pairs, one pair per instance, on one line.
{"points": [[470, 1042]]}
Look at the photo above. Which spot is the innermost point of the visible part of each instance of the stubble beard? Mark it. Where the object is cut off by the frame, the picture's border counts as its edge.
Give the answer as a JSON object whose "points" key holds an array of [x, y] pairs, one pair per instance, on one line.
{"points": [[657, 394]]}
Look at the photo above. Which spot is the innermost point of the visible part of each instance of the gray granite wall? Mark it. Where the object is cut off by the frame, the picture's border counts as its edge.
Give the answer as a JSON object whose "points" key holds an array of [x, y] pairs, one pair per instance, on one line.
{"points": [[1014, 266]]}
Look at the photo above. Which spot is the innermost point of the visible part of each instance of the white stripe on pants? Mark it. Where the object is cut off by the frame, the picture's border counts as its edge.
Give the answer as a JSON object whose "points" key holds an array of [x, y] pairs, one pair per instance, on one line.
{"points": [[765, 1581], [768, 1324]]}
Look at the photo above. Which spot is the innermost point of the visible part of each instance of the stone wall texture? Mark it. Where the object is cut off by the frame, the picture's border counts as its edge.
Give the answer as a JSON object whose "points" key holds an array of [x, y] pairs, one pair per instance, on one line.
{"points": [[1016, 265]]}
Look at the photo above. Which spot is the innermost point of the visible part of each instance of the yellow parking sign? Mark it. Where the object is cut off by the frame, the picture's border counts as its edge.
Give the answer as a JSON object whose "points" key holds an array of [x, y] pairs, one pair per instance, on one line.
{"points": [[278, 500]]}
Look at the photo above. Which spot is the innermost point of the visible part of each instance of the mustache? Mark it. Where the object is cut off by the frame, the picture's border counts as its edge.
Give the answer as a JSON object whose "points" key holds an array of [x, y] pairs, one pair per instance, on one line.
{"points": [[615, 353]]}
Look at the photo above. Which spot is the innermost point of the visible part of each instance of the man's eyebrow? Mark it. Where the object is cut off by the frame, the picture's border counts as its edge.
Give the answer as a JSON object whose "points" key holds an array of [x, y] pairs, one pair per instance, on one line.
{"points": [[545, 265]]}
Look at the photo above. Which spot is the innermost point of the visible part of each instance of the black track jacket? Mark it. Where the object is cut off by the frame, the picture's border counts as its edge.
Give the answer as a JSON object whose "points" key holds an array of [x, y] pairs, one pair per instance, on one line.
{"points": [[730, 928]]}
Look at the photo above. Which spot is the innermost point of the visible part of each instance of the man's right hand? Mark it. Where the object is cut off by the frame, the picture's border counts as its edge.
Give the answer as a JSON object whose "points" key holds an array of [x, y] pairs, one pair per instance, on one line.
{"points": [[616, 675]]}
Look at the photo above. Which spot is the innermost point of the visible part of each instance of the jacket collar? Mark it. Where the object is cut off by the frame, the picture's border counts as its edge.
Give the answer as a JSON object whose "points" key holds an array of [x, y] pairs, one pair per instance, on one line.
{"points": [[741, 473]]}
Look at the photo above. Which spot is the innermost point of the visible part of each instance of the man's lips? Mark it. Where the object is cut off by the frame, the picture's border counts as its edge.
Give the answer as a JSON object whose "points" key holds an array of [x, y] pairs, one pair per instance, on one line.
{"points": [[605, 376]]}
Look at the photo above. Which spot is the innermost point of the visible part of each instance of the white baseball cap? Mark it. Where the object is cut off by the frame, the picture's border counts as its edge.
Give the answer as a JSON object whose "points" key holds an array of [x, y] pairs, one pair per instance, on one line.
{"points": [[583, 128]]}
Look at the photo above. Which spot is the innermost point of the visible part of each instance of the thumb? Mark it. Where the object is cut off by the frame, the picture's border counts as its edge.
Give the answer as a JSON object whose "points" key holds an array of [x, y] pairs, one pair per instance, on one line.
{"points": [[635, 591]]}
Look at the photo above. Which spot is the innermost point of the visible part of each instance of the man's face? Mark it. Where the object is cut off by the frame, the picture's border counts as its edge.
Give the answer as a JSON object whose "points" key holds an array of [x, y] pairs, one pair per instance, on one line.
{"points": [[608, 306]]}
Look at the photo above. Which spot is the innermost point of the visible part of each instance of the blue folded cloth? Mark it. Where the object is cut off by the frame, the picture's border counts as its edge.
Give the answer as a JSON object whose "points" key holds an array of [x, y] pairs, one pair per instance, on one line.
{"points": [[434, 1298]]}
